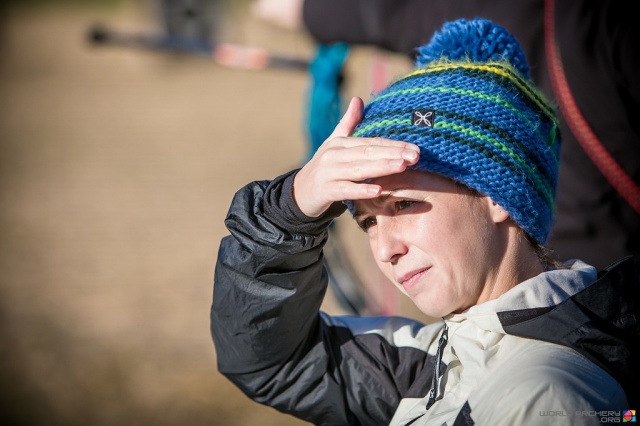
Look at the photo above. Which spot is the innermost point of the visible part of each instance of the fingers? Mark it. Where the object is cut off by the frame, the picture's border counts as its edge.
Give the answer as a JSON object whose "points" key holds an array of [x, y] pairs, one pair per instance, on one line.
{"points": [[343, 173], [360, 159], [361, 162], [348, 123], [350, 119], [347, 142], [349, 179], [357, 191], [341, 168]]}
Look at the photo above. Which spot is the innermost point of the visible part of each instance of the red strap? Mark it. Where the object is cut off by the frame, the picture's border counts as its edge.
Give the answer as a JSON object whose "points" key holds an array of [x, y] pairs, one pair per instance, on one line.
{"points": [[578, 125]]}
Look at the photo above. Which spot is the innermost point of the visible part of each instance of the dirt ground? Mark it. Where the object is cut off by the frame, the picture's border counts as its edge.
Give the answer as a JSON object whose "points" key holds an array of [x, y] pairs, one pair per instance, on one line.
{"points": [[116, 172]]}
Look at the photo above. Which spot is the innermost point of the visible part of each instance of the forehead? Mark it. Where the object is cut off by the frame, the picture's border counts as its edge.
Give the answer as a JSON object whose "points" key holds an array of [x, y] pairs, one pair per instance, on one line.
{"points": [[417, 180], [409, 183]]}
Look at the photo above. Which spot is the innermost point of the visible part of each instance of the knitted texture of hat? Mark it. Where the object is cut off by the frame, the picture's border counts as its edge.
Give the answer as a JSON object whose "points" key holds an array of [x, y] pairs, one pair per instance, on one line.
{"points": [[478, 119]]}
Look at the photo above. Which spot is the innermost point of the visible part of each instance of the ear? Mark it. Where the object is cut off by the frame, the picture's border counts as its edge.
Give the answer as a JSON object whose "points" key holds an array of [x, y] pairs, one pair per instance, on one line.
{"points": [[496, 212]]}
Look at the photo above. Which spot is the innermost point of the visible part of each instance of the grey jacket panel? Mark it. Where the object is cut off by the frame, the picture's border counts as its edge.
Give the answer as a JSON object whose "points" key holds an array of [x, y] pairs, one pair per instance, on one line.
{"points": [[601, 322]]}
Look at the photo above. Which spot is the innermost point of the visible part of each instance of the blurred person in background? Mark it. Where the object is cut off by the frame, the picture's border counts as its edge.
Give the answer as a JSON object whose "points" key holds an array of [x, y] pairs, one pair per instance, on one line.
{"points": [[598, 44], [451, 172]]}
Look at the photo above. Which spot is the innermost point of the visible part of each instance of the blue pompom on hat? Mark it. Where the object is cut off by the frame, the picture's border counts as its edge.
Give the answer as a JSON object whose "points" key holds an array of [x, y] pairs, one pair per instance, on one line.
{"points": [[478, 119]]}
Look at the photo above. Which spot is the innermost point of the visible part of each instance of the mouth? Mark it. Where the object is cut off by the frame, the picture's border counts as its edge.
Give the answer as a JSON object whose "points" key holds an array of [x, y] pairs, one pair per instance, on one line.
{"points": [[410, 279]]}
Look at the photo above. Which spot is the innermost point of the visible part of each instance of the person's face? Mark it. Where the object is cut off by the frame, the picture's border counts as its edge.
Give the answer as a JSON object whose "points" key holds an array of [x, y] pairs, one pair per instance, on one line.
{"points": [[435, 240]]}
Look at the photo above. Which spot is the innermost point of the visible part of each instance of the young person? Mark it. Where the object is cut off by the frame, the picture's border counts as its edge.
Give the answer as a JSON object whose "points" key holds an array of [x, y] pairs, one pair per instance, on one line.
{"points": [[451, 171]]}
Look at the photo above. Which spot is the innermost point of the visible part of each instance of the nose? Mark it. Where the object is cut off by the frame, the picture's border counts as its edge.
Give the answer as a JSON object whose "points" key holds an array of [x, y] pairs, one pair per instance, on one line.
{"points": [[390, 244]]}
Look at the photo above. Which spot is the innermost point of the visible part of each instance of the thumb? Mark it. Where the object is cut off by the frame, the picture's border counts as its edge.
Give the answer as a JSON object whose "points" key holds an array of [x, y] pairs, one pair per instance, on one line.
{"points": [[350, 119]]}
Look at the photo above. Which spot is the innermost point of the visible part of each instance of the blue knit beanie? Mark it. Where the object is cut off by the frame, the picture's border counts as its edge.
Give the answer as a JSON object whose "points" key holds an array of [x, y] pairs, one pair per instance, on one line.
{"points": [[473, 110]]}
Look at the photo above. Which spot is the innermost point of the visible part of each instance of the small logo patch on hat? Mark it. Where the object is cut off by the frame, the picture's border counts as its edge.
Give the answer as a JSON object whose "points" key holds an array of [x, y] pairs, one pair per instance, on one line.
{"points": [[423, 117]]}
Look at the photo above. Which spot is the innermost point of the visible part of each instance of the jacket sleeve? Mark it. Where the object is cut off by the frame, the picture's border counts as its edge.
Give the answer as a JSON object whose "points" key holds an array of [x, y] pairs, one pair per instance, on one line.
{"points": [[390, 24], [402, 25], [271, 339]]}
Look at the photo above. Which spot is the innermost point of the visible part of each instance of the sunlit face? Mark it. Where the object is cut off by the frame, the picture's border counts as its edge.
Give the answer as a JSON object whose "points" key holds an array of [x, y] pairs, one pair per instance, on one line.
{"points": [[435, 240]]}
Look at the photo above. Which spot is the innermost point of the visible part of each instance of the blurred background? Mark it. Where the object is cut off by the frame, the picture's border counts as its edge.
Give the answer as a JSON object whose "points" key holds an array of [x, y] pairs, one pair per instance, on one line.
{"points": [[116, 171]]}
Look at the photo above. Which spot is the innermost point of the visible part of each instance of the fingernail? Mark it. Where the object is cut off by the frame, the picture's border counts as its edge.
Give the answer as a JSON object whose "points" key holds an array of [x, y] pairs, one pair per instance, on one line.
{"points": [[373, 190], [396, 163], [409, 154]]}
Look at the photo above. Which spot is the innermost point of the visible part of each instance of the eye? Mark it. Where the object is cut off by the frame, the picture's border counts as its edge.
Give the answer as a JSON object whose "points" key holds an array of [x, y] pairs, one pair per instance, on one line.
{"points": [[403, 204], [366, 223]]}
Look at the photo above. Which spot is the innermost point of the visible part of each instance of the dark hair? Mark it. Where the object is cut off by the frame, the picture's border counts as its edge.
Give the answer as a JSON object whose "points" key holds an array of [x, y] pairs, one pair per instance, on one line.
{"points": [[546, 255]]}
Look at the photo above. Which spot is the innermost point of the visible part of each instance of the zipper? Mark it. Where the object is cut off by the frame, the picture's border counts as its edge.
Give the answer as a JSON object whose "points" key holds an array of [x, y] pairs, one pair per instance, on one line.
{"points": [[434, 393]]}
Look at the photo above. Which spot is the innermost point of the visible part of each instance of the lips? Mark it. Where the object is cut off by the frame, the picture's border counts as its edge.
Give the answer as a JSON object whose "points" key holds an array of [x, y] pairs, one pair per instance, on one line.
{"points": [[410, 279]]}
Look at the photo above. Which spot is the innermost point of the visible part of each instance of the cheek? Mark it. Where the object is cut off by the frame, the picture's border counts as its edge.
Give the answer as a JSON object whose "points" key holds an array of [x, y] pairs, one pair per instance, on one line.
{"points": [[430, 234], [460, 235]]}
